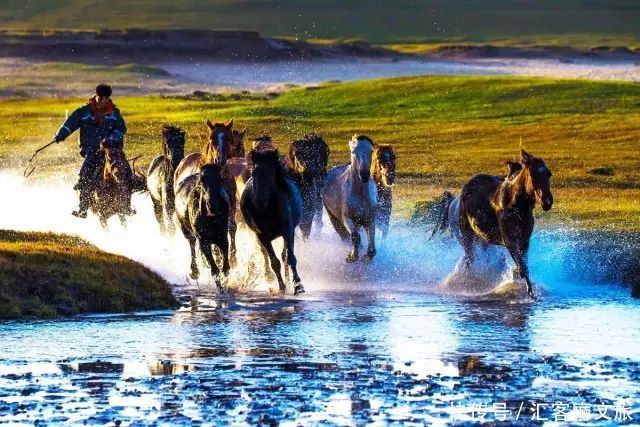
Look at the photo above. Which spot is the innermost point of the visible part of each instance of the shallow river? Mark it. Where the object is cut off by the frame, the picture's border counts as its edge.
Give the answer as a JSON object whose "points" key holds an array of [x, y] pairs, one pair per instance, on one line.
{"points": [[272, 75], [366, 343]]}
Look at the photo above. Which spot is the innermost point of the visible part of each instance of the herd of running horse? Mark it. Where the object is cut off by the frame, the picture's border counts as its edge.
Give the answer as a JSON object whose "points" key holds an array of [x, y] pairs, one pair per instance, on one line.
{"points": [[276, 194]]}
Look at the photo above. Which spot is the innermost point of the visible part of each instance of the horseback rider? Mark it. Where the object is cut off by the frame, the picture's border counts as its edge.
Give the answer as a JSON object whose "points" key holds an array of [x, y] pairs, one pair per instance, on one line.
{"points": [[97, 120]]}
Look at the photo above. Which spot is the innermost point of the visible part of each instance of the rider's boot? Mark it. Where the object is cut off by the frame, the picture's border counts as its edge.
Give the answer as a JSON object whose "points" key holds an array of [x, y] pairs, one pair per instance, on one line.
{"points": [[83, 207]]}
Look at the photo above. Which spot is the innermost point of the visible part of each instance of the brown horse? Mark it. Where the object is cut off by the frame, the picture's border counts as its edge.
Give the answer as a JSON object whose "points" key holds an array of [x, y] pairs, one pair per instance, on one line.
{"points": [[308, 158], [383, 172], [217, 150], [113, 190], [498, 211]]}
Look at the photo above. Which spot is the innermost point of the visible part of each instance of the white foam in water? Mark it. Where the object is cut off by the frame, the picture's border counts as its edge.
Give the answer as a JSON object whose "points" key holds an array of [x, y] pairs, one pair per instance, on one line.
{"points": [[405, 260]]}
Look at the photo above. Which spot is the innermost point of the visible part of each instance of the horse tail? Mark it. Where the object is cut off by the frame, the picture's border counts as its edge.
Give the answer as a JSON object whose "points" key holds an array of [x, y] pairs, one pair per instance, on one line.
{"points": [[443, 223], [138, 177]]}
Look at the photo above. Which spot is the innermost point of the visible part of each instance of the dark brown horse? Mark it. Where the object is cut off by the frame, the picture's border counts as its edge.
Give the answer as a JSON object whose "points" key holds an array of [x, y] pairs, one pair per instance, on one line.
{"points": [[308, 158], [271, 207], [217, 150], [202, 208], [160, 176], [498, 211], [114, 187], [383, 172]]}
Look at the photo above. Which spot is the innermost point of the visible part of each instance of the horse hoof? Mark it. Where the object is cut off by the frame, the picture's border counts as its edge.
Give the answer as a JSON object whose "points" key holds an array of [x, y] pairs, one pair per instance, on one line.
{"points": [[298, 289], [194, 275], [367, 258], [350, 258]]}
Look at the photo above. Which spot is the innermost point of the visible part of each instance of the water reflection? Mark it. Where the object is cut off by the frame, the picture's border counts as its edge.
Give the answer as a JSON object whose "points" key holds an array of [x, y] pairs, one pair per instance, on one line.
{"points": [[347, 357]]}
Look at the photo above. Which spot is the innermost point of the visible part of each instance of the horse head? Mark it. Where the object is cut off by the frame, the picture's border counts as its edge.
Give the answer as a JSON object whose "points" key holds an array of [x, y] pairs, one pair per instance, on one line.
{"points": [[218, 148], [266, 165], [173, 141], [209, 186], [538, 182], [309, 155], [384, 165], [361, 153], [263, 143], [237, 148]]}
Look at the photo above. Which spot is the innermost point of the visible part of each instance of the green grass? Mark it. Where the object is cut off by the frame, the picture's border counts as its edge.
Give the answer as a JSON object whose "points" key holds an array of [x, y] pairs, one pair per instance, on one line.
{"points": [[47, 275], [444, 129], [382, 21]]}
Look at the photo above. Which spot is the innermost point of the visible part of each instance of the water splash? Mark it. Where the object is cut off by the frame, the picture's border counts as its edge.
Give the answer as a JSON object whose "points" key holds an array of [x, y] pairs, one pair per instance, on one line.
{"points": [[406, 260]]}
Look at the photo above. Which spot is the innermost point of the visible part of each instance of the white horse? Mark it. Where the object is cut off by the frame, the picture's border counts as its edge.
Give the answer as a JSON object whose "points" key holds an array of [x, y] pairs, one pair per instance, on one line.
{"points": [[350, 197]]}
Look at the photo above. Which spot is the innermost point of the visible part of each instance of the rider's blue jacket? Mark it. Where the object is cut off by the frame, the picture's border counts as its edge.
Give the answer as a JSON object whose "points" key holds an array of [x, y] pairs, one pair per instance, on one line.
{"points": [[94, 126]]}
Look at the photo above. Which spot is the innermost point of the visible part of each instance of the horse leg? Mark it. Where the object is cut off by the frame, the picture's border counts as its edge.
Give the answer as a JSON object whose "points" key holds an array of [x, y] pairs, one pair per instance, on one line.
{"points": [[170, 207], [338, 226], [159, 214], [289, 240], [123, 220], [285, 262], [230, 187], [305, 224], [467, 238], [521, 269], [371, 240], [233, 228], [355, 241], [275, 263], [205, 247], [317, 217], [192, 246], [268, 273]]}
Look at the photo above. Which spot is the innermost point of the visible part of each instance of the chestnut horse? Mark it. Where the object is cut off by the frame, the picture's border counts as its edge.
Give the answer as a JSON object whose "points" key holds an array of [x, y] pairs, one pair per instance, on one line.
{"points": [[308, 158], [160, 176], [218, 150], [350, 197], [114, 187], [383, 172], [499, 211]]}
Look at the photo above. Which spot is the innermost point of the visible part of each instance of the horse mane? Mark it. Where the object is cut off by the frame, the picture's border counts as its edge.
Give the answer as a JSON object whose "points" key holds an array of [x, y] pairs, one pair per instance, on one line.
{"points": [[168, 129], [238, 146], [260, 140], [376, 161], [513, 169], [313, 140]]}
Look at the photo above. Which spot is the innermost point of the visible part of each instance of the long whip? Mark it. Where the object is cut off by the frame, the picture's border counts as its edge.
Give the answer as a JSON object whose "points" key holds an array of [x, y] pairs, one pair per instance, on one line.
{"points": [[31, 166]]}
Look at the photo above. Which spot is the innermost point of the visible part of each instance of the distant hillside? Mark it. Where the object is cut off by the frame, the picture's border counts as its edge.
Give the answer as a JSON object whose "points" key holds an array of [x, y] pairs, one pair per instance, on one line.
{"points": [[378, 21]]}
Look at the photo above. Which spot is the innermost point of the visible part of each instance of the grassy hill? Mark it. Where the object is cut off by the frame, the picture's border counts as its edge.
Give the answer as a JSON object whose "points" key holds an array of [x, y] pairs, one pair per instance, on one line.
{"points": [[381, 21], [444, 129], [47, 274]]}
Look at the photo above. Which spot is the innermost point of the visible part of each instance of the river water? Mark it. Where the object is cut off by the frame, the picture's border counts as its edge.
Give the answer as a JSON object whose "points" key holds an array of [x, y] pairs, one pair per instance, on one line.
{"points": [[274, 75], [371, 343]]}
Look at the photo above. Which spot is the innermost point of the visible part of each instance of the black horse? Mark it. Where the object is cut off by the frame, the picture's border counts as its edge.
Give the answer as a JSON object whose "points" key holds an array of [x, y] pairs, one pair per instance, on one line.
{"points": [[271, 206], [160, 176], [202, 208], [308, 158]]}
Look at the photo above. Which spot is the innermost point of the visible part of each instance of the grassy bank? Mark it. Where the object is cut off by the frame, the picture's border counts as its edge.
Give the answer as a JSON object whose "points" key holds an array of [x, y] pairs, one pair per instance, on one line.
{"points": [[47, 275], [383, 21], [444, 129]]}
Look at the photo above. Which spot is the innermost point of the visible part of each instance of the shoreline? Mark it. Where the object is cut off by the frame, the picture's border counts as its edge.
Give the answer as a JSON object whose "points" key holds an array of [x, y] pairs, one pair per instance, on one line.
{"points": [[114, 47]]}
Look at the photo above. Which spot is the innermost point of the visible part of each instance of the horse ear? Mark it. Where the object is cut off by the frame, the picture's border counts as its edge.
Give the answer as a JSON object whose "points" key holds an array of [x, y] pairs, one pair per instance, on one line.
{"points": [[211, 126], [230, 124], [525, 158]]}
